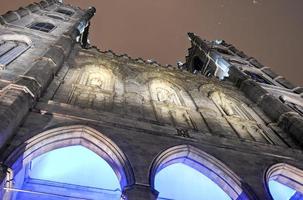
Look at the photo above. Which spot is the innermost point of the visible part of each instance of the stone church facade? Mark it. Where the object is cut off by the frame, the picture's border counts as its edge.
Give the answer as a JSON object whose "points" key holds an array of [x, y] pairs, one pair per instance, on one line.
{"points": [[221, 108]]}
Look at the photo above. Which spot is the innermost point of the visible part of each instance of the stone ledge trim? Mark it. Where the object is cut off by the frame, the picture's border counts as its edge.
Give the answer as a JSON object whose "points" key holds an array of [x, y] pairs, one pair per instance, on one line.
{"points": [[18, 87]]}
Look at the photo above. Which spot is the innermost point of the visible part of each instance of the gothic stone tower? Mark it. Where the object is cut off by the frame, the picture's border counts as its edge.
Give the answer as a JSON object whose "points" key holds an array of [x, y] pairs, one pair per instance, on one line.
{"points": [[221, 113]]}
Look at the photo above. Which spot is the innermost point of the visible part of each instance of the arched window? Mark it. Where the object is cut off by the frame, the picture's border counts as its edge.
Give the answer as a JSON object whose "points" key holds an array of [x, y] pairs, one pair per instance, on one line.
{"points": [[74, 162], [182, 182], [229, 106], [41, 26], [185, 173], [72, 171], [65, 12], [10, 50], [285, 182]]}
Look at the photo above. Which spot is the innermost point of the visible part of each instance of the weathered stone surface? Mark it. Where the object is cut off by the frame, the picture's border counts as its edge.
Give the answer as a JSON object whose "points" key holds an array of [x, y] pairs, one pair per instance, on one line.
{"points": [[137, 192], [270, 73], [253, 90], [294, 124], [273, 107], [10, 17], [285, 83], [22, 12], [14, 105], [142, 108], [33, 8]]}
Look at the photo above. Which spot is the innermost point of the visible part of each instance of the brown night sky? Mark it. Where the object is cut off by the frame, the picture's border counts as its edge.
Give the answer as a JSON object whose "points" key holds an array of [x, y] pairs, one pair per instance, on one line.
{"points": [[270, 30]]}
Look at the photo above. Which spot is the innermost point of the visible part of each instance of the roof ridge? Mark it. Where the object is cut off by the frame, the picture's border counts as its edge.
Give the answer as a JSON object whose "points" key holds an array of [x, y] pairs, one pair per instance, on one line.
{"points": [[138, 60]]}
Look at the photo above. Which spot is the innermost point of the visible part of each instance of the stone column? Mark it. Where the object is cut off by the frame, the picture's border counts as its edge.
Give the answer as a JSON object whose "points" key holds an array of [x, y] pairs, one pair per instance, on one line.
{"points": [[140, 192]]}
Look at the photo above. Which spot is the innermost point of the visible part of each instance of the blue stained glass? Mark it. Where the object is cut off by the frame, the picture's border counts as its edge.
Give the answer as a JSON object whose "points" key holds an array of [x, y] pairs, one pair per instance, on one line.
{"points": [[74, 165], [181, 182], [279, 191]]}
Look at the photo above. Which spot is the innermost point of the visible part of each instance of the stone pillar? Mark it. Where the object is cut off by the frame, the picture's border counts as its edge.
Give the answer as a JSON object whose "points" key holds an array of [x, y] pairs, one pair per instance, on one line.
{"points": [[140, 192]]}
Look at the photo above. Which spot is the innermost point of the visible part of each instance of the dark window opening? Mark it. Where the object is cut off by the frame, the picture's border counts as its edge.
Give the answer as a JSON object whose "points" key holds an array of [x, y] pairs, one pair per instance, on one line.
{"points": [[211, 69], [44, 27], [65, 12], [257, 77], [197, 64]]}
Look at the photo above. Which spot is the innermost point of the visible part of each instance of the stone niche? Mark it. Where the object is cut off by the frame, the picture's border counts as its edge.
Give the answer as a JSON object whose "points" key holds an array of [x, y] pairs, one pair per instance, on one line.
{"points": [[171, 103], [241, 118], [94, 88]]}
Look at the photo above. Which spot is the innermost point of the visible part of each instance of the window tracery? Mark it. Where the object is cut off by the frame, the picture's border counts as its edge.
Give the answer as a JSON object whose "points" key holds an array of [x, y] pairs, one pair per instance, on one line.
{"points": [[10, 50], [42, 26]]}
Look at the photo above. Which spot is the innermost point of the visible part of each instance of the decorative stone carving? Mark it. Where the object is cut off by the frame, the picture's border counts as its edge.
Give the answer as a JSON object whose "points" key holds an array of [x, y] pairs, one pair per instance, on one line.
{"points": [[94, 88], [169, 104], [166, 96], [183, 133], [239, 117]]}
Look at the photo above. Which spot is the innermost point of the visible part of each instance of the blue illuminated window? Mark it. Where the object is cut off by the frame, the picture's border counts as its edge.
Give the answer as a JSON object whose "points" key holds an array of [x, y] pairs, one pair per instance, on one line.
{"points": [[181, 182], [280, 191], [285, 182], [73, 172]]}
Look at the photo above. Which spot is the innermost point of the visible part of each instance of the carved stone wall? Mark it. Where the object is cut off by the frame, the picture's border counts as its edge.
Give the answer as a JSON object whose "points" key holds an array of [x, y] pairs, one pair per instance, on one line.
{"points": [[103, 82], [138, 114]]}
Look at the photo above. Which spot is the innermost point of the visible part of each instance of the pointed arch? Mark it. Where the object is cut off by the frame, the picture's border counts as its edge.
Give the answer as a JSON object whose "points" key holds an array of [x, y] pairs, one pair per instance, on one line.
{"points": [[69, 136], [172, 103], [166, 92], [286, 175], [230, 106], [206, 164]]}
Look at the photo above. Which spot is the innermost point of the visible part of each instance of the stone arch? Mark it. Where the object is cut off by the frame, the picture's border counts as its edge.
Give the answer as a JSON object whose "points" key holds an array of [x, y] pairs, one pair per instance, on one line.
{"points": [[208, 165], [165, 91], [287, 175], [180, 96], [230, 106], [68, 136]]}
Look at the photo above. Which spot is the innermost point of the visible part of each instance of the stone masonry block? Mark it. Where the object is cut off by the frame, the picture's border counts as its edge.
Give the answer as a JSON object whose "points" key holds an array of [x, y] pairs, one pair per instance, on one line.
{"points": [[10, 17], [252, 90], [273, 107]]}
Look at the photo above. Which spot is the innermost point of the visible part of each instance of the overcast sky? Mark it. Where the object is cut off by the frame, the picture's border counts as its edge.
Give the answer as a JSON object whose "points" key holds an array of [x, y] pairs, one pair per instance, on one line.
{"points": [[270, 30]]}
